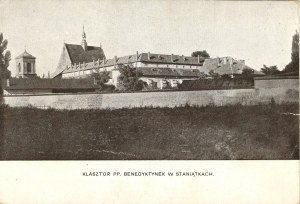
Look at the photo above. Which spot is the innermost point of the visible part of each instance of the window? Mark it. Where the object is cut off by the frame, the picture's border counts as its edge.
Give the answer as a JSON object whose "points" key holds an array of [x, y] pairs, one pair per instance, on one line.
{"points": [[28, 68], [19, 67]]}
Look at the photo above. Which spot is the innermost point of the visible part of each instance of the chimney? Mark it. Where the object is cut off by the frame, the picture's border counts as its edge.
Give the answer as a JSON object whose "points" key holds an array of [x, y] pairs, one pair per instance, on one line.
{"points": [[95, 82], [148, 55], [172, 58], [198, 59], [137, 55], [7, 82], [98, 61]]}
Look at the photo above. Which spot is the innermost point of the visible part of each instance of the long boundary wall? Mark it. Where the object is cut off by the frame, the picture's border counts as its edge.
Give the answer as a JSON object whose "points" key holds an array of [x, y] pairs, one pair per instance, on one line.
{"points": [[155, 99], [281, 89]]}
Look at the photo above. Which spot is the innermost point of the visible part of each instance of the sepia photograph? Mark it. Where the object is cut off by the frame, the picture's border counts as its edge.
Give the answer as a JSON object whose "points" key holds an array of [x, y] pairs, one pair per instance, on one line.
{"points": [[154, 101], [126, 80]]}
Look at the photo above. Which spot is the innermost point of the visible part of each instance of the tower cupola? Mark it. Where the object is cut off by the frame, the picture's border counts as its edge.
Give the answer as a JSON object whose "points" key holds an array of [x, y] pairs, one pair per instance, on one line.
{"points": [[25, 65]]}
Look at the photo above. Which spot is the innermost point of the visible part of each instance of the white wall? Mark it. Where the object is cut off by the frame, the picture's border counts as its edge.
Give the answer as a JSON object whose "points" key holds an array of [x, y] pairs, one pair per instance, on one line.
{"points": [[156, 99]]}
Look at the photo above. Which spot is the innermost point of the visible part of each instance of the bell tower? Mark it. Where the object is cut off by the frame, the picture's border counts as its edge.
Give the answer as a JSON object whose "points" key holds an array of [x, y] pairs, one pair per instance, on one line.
{"points": [[25, 65]]}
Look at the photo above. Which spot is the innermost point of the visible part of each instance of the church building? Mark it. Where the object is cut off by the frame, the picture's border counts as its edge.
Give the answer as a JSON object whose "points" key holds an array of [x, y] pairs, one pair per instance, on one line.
{"points": [[73, 54]]}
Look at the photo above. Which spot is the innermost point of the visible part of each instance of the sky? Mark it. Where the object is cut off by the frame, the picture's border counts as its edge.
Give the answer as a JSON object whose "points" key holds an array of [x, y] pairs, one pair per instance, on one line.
{"points": [[258, 32]]}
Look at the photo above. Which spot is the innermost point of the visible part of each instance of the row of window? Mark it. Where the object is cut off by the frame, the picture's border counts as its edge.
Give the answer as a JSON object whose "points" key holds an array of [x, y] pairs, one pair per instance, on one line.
{"points": [[170, 66]]}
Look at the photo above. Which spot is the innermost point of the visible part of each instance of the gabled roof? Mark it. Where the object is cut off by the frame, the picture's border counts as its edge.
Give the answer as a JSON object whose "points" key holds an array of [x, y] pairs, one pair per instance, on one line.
{"points": [[177, 59], [56, 73], [25, 54], [218, 66], [142, 57], [30, 83], [79, 55]]}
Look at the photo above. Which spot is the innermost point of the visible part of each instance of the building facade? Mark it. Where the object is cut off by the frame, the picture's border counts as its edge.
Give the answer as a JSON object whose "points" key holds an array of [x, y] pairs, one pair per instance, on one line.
{"points": [[160, 70], [25, 65], [156, 69]]}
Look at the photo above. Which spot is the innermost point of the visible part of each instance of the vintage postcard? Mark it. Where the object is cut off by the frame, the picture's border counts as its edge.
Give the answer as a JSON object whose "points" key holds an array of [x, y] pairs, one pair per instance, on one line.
{"points": [[106, 101]]}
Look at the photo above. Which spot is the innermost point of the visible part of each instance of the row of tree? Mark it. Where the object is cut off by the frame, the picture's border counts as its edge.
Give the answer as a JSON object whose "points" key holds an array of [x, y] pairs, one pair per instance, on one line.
{"points": [[292, 67], [5, 57]]}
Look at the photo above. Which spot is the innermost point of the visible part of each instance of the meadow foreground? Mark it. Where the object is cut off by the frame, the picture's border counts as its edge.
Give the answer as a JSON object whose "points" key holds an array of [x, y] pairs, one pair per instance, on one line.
{"points": [[198, 133]]}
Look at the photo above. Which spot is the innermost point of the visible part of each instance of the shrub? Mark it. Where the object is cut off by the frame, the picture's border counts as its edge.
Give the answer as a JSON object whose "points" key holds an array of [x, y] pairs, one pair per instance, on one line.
{"points": [[129, 79]]}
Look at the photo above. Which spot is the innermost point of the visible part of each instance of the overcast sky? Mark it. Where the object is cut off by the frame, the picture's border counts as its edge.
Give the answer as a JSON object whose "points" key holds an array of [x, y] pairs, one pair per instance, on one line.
{"points": [[259, 32]]}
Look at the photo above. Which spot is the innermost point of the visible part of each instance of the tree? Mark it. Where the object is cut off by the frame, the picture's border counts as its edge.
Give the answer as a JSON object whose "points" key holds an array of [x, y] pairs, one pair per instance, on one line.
{"points": [[247, 72], [214, 75], [202, 53], [101, 78], [5, 57], [129, 79], [293, 66], [272, 70], [226, 76]]}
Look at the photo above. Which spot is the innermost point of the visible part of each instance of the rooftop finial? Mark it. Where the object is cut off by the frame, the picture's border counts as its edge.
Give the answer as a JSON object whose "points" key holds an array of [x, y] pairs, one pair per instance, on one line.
{"points": [[83, 32], [83, 42]]}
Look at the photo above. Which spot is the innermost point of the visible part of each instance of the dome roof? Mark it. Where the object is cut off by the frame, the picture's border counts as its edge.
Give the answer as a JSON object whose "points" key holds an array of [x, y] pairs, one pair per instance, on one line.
{"points": [[25, 54]]}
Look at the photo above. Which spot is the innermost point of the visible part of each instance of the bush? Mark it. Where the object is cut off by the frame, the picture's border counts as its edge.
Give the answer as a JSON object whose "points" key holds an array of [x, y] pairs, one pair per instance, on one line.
{"points": [[129, 79], [101, 79]]}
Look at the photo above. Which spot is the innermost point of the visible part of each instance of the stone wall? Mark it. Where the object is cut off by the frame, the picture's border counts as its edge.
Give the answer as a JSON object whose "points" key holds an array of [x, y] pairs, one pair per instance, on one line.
{"points": [[283, 82], [280, 89], [156, 99]]}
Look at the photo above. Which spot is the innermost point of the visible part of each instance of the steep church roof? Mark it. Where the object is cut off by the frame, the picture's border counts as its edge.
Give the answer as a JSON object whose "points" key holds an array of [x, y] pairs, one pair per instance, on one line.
{"points": [[25, 54], [78, 55], [75, 54]]}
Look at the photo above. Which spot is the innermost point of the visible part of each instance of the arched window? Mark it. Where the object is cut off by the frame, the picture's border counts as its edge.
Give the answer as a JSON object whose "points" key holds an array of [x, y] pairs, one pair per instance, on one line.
{"points": [[28, 68], [19, 67]]}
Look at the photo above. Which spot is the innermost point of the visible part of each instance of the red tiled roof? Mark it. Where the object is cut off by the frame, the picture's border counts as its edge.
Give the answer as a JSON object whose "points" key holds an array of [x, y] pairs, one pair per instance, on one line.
{"points": [[30, 83]]}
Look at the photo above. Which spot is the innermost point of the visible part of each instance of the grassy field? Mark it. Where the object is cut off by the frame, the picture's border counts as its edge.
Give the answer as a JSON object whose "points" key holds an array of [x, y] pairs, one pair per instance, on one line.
{"points": [[229, 132]]}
